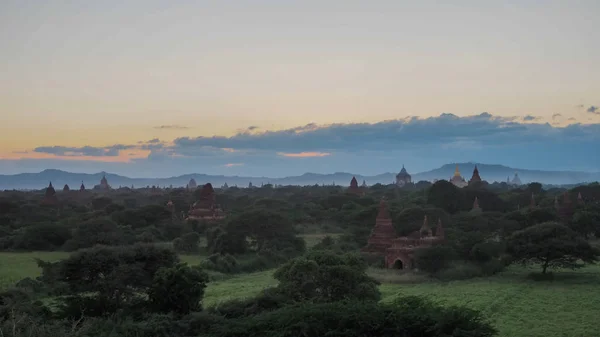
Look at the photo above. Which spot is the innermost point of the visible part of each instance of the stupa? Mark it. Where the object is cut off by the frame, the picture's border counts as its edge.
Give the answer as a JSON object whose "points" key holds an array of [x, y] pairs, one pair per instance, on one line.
{"points": [[457, 180]]}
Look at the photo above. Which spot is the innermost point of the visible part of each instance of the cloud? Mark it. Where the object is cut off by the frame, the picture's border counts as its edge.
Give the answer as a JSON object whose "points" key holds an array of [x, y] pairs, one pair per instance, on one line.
{"points": [[555, 116], [252, 128], [383, 136], [530, 118], [580, 106], [421, 143], [594, 109], [90, 151], [171, 127], [304, 154]]}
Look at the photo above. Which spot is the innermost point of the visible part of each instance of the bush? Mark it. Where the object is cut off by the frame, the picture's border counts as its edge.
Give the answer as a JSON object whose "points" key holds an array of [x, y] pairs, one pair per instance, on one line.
{"points": [[188, 243], [405, 317], [433, 259], [270, 299], [178, 289]]}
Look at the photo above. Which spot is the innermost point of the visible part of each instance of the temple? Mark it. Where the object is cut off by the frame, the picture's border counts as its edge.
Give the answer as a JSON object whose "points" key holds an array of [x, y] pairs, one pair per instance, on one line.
{"points": [[206, 207], [354, 189], [50, 197], [566, 209], [82, 187], [192, 184], [403, 178], [475, 178], [398, 252], [66, 188], [103, 184], [457, 180], [516, 181], [476, 206]]}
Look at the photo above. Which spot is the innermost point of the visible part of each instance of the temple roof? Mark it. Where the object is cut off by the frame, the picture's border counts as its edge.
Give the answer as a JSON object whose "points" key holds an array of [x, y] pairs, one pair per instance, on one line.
{"points": [[403, 172], [383, 213], [457, 172], [50, 190]]}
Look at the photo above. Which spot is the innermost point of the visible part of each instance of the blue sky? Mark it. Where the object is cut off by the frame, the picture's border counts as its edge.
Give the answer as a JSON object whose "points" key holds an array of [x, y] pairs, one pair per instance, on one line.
{"points": [[266, 87]]}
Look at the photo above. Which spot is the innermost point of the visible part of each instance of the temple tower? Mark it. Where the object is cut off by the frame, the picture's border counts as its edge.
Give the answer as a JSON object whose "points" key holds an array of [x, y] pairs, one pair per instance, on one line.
{"points": [[475, 178]]}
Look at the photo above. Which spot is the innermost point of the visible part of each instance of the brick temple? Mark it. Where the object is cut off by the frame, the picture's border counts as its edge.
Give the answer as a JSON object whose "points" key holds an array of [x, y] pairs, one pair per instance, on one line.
{"points": [[397, 251], [206, 207]]}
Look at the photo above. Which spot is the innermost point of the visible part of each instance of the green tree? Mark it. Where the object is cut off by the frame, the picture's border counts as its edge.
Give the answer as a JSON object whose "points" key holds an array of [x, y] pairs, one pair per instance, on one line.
{"points": [[446, 196], [434, 259], [188, 243], [178, 289], [552, 245], [323, 276], [108, 278]]}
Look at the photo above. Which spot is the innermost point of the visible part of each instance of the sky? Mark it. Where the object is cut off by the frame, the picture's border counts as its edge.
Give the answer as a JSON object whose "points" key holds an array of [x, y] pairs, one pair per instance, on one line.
{"points": [[275, 88]]}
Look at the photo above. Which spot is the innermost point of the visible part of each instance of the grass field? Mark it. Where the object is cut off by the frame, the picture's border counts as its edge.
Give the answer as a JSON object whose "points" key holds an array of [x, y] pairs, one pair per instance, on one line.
{"points": [[569, 306]]}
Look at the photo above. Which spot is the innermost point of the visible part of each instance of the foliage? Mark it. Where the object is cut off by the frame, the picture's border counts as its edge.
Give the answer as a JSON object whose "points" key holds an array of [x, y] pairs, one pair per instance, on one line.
{"points": [[178, 289], [405, 317], [552, 245], [323, 276], [433, 259]]}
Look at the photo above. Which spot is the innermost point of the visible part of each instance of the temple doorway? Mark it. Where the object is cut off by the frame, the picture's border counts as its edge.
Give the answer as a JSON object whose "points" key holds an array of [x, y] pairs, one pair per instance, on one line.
{"points": [[398, 264]]}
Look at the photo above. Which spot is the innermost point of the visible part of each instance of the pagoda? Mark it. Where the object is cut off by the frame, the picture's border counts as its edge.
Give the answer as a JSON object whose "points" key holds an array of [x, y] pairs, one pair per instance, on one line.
{"points": [[476, 206], [457, 180], [383, 233], [475, 178], [403, 178], [206, 207], [192, 184], [82, 187], [566, 210], [50, 197], [104, 186], [400, 255], [398, 252], [354, 189], [516, 181], [66, 188]]}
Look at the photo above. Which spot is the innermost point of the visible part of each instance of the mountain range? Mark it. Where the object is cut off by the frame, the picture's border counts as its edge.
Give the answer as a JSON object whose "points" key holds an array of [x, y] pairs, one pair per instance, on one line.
{"points": [[488, 172]]}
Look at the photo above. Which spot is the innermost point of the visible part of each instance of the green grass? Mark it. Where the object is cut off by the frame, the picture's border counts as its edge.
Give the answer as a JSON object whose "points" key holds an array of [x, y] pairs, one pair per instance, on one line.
{"points": [[17, 266], [569, 306], [516, 306], [238, 287], [312, 239]]}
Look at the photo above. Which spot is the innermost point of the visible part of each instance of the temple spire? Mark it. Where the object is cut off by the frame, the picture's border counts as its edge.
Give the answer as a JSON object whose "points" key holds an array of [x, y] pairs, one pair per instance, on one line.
{"points": [[476, 204], [439, 230], [383, 210], [457, 171], [425, 228]]}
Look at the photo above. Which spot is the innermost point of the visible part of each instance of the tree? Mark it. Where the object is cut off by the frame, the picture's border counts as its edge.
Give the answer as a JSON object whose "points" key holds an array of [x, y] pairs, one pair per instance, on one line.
{"points": [[444, 195], [188, 243], [106, 279], [434, 259], [323, 276], [552, 245], [178, 289], [99, 231]]}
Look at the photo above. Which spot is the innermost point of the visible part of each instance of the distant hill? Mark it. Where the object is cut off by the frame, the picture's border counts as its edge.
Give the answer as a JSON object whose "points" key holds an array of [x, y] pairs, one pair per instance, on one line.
{"points": [[488, 172]]}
